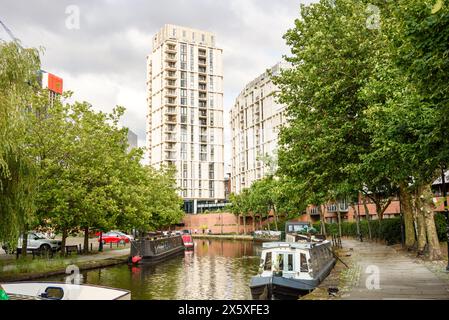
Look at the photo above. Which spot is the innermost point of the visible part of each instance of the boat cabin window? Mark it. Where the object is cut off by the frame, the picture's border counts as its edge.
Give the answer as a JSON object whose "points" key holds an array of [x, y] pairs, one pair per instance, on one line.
{"points": [[304, 266], [267, 266], [280, 261], [290, 262]]}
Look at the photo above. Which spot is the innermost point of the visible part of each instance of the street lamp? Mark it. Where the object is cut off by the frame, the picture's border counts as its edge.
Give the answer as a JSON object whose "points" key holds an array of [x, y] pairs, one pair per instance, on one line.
{"points": [[443, 177]]}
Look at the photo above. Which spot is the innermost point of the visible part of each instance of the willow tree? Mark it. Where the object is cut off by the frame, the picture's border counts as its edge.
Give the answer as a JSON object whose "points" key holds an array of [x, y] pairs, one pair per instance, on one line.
{"points": [[18, 82]]}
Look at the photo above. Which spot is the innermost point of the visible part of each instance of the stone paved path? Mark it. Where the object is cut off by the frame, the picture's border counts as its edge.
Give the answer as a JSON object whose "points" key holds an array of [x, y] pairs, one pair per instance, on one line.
{"points": [[401, 276]]}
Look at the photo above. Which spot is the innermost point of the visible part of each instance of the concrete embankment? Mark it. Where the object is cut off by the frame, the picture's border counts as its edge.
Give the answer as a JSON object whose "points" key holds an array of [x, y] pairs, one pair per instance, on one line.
{"points": [[37, 269]]}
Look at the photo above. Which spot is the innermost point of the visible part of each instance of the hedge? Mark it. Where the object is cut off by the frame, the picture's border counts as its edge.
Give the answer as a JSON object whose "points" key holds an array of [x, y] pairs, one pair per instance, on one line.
{"points": [[388, 230]]}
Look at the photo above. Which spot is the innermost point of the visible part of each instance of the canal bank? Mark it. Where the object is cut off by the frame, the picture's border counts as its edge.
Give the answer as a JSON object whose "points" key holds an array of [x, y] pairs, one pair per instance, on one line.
{"points": [[18, 270]]}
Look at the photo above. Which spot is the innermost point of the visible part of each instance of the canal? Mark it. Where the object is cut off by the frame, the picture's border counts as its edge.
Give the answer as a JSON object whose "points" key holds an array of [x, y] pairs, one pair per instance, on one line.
{"points": [[216, 269]]}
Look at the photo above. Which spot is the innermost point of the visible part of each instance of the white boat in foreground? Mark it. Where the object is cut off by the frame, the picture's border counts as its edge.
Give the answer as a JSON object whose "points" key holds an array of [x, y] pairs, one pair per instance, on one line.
{"points": [[62, 291], [291, 269]]}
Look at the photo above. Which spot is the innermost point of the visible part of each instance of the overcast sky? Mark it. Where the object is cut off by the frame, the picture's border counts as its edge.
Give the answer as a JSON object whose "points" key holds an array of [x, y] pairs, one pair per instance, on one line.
{"points": [[103, 61]]}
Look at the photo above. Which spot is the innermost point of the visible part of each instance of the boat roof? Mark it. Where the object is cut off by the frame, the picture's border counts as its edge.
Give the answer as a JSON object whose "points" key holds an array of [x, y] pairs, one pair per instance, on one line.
{"points": [[293, 245]]}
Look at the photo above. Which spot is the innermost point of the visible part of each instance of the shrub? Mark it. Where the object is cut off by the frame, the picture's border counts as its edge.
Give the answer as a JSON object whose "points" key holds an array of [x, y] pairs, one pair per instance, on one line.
{"points": [[388, 230]]}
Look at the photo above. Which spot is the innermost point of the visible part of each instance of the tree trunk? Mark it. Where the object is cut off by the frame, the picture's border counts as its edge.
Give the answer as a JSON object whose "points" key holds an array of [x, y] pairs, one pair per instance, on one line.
{"points": [[254, 222], [431, 230], [420, 220], [86, 240], [357, 220], [238, 224], [63, 241], [406, 206], [339, 219], [322, 221], [275, 218], [244, 224], [24, 244], [365, 205]]}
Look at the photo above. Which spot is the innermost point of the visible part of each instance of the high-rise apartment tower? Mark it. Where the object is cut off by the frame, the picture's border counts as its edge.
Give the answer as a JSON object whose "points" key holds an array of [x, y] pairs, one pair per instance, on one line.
{"points": [[185, 113]]}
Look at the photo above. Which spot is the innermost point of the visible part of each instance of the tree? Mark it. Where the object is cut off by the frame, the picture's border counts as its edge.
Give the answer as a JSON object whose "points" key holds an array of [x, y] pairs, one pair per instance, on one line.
{"points": [[332, 58], [18, 82]]}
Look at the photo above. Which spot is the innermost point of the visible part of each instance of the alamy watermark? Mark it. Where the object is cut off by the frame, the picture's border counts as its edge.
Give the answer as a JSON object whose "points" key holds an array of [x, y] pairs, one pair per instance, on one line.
{"points": [[72, 22], [373, 280]]}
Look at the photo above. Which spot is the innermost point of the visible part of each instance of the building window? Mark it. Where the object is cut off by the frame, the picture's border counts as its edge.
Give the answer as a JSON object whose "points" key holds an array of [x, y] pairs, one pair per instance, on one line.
{"points": [[192, 117], [203, 38], [211, 83], [184, 115], [199, 173], [211, 61], [183, 97], [184, 133], [212, 153], [211, 101], [212, 138], [184, 151], [211, 171], [192, 58], [192, 98], [183, 56], [193, 36], [174, 32], [183, 79], [203, 152], [184, 170]]}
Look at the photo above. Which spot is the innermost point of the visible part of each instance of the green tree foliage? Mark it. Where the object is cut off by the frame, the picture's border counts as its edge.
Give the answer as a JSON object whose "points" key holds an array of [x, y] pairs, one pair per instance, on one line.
{"points": [[367, 107], [64, 165], [18, 82]]}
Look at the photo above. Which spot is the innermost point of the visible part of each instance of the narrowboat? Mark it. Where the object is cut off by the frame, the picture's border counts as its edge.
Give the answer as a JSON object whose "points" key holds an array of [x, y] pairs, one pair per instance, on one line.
{"points": [[155, 249], [61, 291], [187, 240], [289, 270]]}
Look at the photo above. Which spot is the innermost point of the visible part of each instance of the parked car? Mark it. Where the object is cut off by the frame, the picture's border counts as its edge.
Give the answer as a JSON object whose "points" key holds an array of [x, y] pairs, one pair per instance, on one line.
{"points": [[114, 237], [38, 241], [130, 237]]}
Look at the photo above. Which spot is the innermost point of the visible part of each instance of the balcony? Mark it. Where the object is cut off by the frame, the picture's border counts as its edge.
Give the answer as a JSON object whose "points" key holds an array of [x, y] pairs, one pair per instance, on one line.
{"points": [[170, 84], [170, 119], [171, 49], [203, 105], [342, 205], [314, 211], [170, 129], [202, 62], [202, 79], [202, 96], [203, 114], [170, 137], [170, 102], [201, 52], [170, 57], [170, 147], [203, 139], [202, 87], [170, 75], [171, 93], [202, 69], [170, 155], [170, 111], [171, 66], [203, 122]]}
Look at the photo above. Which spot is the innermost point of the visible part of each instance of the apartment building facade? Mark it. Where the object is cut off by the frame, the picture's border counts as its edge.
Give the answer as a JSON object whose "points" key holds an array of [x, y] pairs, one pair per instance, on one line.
{"points": [[185, 113], [256, 119]]}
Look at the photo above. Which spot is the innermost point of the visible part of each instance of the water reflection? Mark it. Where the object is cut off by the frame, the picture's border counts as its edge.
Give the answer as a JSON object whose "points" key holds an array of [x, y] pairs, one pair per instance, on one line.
{"points": [[214, 270]]}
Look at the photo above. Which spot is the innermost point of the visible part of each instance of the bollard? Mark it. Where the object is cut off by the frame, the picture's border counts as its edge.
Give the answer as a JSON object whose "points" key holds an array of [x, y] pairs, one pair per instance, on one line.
{"points": [[80, 248], [110, 244], [91, 247]]}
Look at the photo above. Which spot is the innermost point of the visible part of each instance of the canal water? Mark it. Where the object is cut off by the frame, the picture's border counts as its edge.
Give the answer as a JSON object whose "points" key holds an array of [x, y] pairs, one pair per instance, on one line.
{"points": [[216, 269]]}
